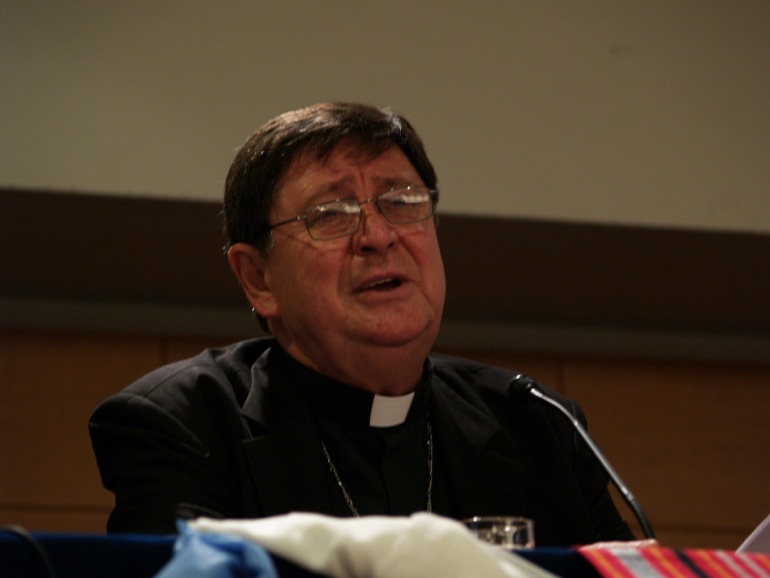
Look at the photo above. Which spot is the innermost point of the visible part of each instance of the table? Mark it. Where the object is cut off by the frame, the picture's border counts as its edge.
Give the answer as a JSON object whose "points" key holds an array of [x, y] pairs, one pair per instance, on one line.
{"points": [[142, 556]]}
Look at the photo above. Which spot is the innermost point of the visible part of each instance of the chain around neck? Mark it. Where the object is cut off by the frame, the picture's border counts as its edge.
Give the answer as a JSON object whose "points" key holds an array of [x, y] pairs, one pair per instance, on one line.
{"points": [[346, 495]]}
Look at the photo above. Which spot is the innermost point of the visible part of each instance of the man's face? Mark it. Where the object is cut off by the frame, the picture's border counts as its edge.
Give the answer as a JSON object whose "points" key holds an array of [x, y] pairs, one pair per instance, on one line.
{"points": [[383, 286]]}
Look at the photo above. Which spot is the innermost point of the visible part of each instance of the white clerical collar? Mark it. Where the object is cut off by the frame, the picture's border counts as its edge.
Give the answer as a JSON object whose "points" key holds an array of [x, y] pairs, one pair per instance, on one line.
{"points": [[390, 411]]}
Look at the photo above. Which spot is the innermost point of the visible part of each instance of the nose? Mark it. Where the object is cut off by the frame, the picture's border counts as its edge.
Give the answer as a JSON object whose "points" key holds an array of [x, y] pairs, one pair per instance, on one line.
{"points": [[375, 233]]}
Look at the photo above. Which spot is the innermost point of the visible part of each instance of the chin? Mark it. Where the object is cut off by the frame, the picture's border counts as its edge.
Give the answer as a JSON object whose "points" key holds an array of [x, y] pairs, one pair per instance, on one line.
{"points": [[422, 335]]}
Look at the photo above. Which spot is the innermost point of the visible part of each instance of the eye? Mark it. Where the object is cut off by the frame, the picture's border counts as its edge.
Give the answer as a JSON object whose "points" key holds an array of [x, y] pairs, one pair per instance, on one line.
{"points": [[331, 215], [406, 196], [406, 204], [412, 198]]}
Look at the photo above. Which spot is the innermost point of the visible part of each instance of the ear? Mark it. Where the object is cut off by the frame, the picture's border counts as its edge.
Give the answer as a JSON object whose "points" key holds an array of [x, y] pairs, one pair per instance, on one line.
{"points": [[252, 271]]}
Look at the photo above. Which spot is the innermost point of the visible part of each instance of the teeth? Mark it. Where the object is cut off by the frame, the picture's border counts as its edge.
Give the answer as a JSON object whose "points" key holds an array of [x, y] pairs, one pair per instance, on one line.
{"points": [[380, 282]]}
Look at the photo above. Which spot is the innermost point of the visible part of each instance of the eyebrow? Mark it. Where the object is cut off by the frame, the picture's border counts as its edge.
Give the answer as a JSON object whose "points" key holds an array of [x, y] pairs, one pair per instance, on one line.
{"points": [[335, 186], [332, 187]]}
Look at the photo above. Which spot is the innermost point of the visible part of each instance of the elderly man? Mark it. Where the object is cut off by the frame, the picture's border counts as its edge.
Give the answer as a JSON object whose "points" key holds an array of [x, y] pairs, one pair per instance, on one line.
{"points": [[331, 230]]}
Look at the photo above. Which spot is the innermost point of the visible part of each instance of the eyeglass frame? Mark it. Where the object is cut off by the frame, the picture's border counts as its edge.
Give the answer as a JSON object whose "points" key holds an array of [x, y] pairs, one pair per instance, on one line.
{"points": [[432, 194]]}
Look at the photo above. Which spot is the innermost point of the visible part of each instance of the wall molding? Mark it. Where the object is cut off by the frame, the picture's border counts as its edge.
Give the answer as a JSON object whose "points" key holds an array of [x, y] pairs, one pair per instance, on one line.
{"points": [[87, 262]]}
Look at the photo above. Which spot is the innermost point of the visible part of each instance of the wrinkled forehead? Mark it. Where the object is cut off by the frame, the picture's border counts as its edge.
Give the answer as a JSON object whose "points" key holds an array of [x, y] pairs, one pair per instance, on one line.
{"points": [[356, 150], [351, 150]]}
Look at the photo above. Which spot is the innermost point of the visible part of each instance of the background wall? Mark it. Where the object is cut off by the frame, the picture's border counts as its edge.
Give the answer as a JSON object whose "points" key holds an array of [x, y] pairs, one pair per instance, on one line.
{"points": [[652, 113], [607, 216], [690, 439]]}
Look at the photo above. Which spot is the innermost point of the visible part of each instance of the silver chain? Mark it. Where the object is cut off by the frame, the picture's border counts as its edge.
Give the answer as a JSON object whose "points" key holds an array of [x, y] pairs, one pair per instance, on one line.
{"points": [[349, 500]]}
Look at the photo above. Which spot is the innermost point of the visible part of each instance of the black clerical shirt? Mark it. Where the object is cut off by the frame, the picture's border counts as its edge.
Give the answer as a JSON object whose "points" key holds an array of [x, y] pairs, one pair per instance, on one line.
{"points": [[385, 470]]}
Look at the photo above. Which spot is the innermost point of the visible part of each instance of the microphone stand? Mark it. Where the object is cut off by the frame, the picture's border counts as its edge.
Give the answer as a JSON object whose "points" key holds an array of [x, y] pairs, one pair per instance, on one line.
{"points": [[531, 387]]}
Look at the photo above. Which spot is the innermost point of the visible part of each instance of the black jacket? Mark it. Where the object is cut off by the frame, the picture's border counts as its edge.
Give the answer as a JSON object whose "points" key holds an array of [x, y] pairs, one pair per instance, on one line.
{"points": [[227, 434]]}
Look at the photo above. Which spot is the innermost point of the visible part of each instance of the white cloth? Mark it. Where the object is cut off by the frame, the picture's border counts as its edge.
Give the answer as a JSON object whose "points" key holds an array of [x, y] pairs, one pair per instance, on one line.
{"points": [[419, 546]]}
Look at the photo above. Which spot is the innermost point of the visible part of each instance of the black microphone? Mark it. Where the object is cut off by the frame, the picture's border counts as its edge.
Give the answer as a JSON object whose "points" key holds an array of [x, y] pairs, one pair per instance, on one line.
{"points": [[524, 385]]}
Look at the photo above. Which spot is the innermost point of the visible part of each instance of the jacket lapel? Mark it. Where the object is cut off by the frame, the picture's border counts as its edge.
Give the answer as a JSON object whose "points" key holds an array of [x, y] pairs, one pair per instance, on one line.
{"points": [[482, 465], [283, 450]]}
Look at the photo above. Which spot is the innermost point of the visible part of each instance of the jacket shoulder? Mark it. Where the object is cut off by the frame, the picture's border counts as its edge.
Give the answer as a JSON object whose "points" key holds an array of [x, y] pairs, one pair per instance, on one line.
{"points": [[223, 372], [467, 377], [487, 381]]}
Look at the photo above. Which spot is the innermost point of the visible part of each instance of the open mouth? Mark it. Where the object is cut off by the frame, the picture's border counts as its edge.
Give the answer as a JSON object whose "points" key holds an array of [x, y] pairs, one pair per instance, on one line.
{"points": [[386, 284]]}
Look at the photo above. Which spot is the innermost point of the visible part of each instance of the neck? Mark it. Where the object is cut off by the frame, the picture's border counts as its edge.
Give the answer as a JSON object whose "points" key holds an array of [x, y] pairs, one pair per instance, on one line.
{"points": [[387, 371]]}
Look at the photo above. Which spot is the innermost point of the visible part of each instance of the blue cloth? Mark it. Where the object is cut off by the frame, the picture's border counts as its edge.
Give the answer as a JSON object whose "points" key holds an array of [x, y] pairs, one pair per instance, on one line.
{"points": [[198, 555]]}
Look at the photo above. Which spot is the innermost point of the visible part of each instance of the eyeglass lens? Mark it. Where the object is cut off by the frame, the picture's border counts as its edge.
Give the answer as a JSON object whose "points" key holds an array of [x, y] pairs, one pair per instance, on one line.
{"points": [[342, 217]]}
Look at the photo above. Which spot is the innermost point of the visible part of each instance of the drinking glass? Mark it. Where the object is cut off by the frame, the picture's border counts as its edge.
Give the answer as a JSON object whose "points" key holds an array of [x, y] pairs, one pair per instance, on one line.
{"points": [[509, 532]]}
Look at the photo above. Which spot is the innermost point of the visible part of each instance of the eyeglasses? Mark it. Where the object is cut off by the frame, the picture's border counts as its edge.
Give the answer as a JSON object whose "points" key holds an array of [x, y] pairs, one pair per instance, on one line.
{"points": [[341, 217]]}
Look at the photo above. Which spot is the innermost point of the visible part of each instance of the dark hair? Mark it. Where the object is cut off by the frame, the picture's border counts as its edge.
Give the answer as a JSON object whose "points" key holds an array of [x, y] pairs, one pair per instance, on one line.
{"points": [[255, 174]]}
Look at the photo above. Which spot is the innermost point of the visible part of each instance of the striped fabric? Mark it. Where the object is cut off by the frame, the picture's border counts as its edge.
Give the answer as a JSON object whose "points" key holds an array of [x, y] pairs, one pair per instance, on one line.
{"points": [[656, 562]]}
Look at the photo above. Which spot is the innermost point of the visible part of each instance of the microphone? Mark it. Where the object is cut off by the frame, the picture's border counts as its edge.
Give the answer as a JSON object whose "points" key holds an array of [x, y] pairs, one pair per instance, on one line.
{"points": [[524, 385]]}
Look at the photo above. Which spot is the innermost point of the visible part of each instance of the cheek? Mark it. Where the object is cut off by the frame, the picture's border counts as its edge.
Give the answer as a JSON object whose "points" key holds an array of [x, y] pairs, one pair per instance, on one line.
{"points": [[427, 254], [430, 257], [438, 276], [438, 280], [317, 277]]}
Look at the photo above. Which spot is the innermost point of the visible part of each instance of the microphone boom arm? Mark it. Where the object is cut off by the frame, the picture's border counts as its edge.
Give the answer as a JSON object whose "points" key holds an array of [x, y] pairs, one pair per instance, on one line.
{"points": [[629, 498]]}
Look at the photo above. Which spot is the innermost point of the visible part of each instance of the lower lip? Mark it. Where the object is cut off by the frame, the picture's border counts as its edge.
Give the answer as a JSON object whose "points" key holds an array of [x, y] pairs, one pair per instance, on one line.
{"points": [[384, 290]]}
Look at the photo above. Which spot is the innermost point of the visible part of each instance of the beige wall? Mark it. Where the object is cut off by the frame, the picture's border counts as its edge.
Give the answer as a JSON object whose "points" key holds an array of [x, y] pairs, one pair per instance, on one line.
{"points": [[651, 112], [689, 438]]}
